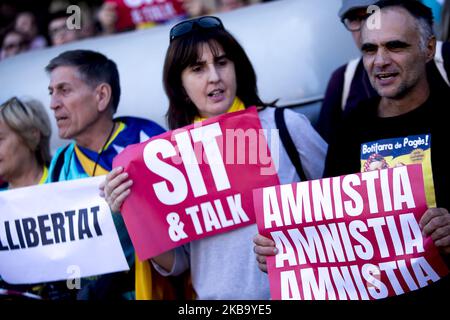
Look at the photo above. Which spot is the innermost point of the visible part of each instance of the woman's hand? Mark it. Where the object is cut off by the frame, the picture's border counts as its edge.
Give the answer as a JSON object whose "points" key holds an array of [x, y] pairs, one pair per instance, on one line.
{"points": [[263, 247], [435, 222], [115, 188]]}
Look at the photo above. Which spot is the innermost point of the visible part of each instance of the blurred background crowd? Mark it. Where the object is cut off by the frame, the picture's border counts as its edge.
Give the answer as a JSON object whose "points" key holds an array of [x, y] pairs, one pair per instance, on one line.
{"points": [[30, 25]]}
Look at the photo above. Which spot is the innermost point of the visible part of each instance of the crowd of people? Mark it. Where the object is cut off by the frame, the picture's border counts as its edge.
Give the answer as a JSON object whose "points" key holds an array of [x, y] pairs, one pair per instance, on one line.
{"points": [[21, 30], [397, 88]]}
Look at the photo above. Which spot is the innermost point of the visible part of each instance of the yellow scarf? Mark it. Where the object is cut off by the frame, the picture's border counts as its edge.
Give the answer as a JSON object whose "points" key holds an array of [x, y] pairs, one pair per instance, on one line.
{"points": [[237, 105], [44, 175], [89, 164]]}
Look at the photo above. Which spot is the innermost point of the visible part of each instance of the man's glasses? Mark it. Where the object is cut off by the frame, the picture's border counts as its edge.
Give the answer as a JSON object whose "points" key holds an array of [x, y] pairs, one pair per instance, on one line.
{"points": [[53, 32], [14, 45], [354, 20], [184, 27]]}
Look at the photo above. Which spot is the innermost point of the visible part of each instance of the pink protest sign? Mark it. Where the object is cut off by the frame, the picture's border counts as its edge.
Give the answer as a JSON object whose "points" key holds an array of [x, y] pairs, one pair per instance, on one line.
{"points": [[350, 237], [195, 182], [133, 13]]}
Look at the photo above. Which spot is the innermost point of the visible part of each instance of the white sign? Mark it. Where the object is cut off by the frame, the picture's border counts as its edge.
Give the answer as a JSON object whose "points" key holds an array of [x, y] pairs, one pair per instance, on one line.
{"points": [[49, 230]]}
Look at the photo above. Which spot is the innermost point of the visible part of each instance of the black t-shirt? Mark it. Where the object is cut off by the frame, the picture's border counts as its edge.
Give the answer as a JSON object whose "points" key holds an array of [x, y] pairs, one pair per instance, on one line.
{"points": [[363, 125]]}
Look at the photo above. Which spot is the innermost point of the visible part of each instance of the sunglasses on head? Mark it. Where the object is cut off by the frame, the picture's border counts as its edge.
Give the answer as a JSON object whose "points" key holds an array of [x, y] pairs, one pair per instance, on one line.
{"points": [[16, 102], [20, 103], [184, 27]]}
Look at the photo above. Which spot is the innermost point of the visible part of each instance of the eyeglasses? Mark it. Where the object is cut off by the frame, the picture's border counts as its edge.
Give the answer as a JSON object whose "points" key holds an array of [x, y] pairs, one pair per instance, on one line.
{"points": [[11, 46], [184, 27], [53, 32], [354, 20]]}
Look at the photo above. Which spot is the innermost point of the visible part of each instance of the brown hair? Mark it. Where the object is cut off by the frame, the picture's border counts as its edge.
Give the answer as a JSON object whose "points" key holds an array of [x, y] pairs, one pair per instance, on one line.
{"points": [[184, 52]]}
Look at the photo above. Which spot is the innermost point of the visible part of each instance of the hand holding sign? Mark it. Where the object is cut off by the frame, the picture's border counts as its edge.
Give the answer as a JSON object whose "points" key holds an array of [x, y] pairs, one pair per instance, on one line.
{"points": [[115, 188], [436, 223], [350, 237], [264, 247], [191, 183]]}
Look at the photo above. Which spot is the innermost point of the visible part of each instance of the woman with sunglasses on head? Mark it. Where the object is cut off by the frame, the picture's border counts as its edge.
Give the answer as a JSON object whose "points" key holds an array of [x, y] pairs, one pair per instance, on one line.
{"points": [[207, 73], [24, 157], [24, 143]]}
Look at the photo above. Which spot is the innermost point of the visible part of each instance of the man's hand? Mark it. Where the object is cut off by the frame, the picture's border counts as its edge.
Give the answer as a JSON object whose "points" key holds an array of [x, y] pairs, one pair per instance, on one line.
{"points": [[436, 223], [115, 188], [263, 247]]}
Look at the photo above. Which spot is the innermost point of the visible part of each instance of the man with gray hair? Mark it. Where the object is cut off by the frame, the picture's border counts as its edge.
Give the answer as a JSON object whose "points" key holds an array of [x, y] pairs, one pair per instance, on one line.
{"points": [[349, 84], [395, 57], [84, 93], [408, 104]]}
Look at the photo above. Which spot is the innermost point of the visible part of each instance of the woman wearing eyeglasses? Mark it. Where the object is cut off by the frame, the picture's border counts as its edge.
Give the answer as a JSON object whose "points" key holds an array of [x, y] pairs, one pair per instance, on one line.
{"points": [[207, 73], [24, 156]]}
